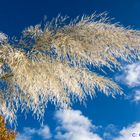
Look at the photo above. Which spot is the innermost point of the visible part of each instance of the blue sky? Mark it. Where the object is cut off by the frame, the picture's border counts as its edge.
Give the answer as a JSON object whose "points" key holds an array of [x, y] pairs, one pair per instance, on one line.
{"points": [[102, 114]]}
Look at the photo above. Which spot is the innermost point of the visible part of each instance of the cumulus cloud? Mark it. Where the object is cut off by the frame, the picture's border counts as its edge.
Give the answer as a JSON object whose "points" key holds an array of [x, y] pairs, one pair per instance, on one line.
{"points": [[131, 77], [133, 74], [29, 133], [75, 126], [130, 132], [44, 132], [72, 125]]}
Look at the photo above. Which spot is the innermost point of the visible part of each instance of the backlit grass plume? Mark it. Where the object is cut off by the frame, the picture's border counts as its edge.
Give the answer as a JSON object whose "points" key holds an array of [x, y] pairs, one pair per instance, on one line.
{"points": [[50, 63]]}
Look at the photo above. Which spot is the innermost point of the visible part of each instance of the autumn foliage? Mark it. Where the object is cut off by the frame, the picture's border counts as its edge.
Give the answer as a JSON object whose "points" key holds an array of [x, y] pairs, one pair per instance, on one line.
{"points": [[6, 134]]}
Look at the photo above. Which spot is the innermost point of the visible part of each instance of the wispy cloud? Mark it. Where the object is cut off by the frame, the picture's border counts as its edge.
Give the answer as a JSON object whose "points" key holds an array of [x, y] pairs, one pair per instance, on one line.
{"points": [[110, 132], [23, 137], [29, 133], [129, 133], [136, 97]]}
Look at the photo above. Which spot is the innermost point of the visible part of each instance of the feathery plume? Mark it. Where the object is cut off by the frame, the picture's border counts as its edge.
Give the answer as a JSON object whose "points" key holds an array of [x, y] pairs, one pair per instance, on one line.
{"points": [[50, 64]]}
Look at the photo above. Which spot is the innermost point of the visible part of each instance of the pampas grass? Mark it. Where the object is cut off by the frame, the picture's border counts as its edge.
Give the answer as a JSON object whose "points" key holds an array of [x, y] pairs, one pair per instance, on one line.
{"points": [[50, 64]]}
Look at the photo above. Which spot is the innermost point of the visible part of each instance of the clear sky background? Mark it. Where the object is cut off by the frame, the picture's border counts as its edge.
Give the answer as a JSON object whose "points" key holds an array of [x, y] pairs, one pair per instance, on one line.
{"points": [[107, 114]]}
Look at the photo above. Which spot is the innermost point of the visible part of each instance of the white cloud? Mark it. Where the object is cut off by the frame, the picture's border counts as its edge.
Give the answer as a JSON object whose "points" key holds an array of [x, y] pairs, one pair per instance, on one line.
{"points": [[132, 75], [29, 133], [110, 131], [129, 133], [72, 125], [44, 132], [75, 126], [22, 137], [136, 97]]}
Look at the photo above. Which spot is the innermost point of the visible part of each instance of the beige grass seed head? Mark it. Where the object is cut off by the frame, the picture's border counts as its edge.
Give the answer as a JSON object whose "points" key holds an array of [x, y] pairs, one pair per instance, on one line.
{"points": [[50, 64]]}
